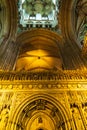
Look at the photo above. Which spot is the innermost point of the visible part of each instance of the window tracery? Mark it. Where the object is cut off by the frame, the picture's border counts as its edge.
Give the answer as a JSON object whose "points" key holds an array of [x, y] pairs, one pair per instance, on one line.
{"points": [[38, 13]]}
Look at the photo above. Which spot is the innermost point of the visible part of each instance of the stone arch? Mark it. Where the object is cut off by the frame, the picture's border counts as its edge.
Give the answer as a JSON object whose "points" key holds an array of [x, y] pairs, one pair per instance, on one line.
{"points": [[39, 46], [71, 42], [67, 20], [8, 16], [55, 110], [44, 122]]}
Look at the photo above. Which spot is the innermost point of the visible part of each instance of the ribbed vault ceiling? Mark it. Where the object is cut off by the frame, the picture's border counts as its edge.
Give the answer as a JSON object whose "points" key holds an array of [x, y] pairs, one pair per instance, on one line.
{"points": [[39, 50], [63, 48]]}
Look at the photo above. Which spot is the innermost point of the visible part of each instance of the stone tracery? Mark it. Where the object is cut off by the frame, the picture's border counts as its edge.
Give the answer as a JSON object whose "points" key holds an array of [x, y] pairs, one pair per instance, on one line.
{"points": [[38, 13]]}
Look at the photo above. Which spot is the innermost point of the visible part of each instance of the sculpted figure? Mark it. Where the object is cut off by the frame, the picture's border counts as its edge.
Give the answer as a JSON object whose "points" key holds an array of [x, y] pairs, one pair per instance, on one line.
{"points": [[4, 118], [77, 119]]}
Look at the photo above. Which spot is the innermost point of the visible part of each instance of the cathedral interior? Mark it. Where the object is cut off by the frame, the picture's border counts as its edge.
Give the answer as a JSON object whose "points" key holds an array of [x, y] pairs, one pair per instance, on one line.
{"points": [[43, 64]]}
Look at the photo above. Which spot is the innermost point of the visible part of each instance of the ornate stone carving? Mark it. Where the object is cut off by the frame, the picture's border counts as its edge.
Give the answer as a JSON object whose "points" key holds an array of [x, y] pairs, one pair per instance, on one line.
{"points": [[4, 115], [5, 108], [85, 112], [40, 120], [27, 80], [50, 75], [77, 118], [40, 104], [54, 110]]}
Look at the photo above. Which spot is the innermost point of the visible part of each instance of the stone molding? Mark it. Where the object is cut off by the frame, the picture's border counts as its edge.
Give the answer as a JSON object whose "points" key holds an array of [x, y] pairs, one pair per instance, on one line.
{"points": [[66, 80]]}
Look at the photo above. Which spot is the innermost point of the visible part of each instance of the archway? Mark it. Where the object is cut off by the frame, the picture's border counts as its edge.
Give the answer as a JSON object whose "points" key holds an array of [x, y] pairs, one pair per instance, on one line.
{"points": [[40, 112]]}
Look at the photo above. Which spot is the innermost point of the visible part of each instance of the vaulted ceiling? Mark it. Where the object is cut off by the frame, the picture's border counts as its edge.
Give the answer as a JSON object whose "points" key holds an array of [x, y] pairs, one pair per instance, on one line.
{"points": [[47, 47]]}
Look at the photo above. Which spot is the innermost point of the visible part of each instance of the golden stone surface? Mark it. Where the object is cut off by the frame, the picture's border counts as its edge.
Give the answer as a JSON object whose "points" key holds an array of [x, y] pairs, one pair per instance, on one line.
{"points": [[43, 74]]}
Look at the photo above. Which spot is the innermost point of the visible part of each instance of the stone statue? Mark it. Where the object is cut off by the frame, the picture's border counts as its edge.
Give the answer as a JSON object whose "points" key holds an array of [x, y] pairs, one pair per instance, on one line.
{"points": [[4, 118], [77, 119]]}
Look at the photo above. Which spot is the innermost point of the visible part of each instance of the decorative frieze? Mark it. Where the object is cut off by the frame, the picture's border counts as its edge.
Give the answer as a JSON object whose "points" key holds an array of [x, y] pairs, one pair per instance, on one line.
{"points": [[49, 75], [35, 85], [43, 80]]}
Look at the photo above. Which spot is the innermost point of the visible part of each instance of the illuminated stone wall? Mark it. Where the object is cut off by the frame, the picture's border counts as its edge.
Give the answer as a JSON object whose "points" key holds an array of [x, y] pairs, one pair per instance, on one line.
{"points": [[56, 101]]}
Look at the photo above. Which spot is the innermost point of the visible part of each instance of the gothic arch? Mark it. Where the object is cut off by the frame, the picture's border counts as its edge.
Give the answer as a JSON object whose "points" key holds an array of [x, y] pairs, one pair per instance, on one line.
{"points": [[67, 21], [8, 16], [8, 34], [39, 46], [45, 106], [68, 30]]}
